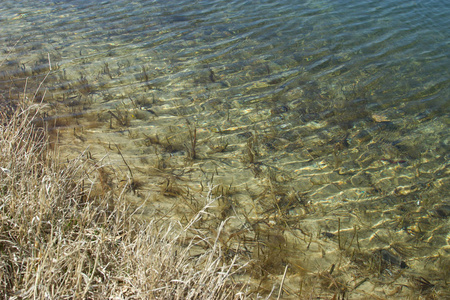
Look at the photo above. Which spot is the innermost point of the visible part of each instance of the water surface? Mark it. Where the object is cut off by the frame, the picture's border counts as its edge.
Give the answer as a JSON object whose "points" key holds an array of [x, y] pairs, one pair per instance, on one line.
{"points": [[324, 125]]}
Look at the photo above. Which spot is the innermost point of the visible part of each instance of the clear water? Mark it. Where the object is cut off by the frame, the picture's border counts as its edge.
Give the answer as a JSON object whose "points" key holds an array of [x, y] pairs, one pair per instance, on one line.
{"points": [[323, 123]]}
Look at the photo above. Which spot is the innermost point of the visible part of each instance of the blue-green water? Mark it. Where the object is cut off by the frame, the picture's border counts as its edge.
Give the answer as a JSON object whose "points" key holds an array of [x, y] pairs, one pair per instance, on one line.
{"points": [[319, 118]]}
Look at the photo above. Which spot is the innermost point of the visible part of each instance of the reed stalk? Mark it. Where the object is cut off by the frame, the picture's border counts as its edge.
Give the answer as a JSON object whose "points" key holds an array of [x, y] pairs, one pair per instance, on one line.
{"points": [[63, 236]]}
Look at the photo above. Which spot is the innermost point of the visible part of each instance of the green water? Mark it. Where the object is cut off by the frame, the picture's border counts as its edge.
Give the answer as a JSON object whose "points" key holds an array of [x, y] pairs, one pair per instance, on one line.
{"points": [[322, 124]]}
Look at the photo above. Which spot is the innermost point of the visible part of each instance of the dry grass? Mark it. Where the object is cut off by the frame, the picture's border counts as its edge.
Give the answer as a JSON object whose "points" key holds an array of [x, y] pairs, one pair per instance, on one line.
{"points": [[62, 239]]}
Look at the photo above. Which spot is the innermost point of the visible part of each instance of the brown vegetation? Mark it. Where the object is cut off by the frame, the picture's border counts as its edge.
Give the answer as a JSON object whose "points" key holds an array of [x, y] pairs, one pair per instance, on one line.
{"points": [[65, 233]]}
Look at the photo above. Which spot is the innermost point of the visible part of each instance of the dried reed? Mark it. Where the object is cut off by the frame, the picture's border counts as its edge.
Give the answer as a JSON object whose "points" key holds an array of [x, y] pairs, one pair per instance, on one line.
{"points": [[60, 238]]}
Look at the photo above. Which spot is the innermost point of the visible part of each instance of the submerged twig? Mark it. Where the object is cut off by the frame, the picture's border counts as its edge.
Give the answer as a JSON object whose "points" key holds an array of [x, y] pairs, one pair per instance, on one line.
{"points": [[129, 169]]}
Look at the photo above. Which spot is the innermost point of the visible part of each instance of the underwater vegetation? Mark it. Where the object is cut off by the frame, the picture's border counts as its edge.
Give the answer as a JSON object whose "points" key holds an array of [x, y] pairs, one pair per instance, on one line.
{"points": [[315, 191]]}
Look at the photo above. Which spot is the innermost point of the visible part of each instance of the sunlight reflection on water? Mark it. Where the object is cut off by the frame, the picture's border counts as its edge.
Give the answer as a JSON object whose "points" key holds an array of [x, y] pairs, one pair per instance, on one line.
{"points": [[316, 119]]}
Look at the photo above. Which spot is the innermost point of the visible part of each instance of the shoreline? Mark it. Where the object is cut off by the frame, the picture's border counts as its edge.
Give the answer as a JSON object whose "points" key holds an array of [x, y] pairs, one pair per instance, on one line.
{"points": [[63, 237]]}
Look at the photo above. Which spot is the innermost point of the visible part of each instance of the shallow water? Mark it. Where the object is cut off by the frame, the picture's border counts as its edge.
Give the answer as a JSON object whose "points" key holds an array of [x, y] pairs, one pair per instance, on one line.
{"points": [[323, 123]]}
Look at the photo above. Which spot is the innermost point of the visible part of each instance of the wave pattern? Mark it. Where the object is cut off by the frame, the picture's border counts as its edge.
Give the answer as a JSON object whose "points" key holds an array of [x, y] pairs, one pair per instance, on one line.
{"points": [[320, 114]]}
